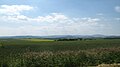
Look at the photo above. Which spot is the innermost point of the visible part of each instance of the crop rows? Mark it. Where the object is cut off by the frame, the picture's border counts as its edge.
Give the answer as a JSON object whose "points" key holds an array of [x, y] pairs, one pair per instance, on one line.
{"points": [[16, 53]]}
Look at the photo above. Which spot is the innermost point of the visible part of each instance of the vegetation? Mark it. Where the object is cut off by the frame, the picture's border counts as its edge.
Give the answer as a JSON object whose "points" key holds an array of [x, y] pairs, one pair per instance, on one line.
{"points": [[109, 65], [74, 39], [28, 53], [36, 39]]}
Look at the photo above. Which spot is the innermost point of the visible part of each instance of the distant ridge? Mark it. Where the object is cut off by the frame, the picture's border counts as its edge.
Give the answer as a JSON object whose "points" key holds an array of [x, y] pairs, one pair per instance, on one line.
{"points": [[64, 36]]}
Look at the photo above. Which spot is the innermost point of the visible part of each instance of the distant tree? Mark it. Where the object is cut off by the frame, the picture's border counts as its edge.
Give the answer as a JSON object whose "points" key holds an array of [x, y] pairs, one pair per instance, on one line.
{"points": [[80, 39]]}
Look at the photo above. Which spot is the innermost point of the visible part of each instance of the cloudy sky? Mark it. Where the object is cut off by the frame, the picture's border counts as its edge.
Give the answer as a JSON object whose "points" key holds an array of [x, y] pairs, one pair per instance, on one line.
{"points": [[59, 17]]}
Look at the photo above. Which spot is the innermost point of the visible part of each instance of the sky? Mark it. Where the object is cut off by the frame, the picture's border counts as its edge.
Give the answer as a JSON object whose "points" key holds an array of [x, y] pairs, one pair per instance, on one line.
{"points": [[59, 17]]}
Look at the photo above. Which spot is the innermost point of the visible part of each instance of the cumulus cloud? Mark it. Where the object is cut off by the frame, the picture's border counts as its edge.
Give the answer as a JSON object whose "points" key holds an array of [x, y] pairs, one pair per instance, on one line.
{"points": [[51, 24], [57, 24], [53, 17], [117, 8], [13, 9]]}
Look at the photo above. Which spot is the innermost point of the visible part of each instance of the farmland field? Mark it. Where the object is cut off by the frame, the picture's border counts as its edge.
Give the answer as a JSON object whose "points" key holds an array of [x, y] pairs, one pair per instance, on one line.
{"points": [[50, 53]]}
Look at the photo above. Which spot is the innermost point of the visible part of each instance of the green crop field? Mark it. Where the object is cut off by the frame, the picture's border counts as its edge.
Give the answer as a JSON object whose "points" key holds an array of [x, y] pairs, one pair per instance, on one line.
{"points": [[50, 53]]}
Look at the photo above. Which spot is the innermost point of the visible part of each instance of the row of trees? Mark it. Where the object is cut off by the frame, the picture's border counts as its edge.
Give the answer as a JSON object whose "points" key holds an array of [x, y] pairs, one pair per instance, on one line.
{"points": [[74, 39]]}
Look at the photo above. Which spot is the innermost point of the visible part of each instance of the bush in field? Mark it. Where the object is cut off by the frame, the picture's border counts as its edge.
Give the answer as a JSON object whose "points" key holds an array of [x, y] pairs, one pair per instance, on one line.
{"points": [[64, 58]]}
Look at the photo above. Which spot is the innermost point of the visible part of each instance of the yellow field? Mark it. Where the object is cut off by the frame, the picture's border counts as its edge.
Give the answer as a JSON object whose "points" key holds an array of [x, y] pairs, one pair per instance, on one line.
{"points": [[36, 40]]}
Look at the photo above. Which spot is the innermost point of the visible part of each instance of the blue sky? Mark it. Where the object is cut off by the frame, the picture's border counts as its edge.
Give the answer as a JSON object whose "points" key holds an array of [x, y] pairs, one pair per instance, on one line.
{"points": [[59, 17]]}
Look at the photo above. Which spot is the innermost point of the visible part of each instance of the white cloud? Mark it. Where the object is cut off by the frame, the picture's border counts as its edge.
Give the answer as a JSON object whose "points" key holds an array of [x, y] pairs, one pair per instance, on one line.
{"points": [[23, 30], [51, 29], [54, 23], [117, 8], [91, 19], [13, 9], [54, 26], [53, 17]]}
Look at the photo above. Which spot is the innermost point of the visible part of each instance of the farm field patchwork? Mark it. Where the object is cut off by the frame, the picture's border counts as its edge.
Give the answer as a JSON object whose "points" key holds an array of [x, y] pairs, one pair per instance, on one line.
{"points": [[50, 53]]}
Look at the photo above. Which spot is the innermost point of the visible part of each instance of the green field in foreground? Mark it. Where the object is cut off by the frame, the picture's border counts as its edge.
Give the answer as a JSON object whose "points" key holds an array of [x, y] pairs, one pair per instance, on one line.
{"points": [[49, 53]]}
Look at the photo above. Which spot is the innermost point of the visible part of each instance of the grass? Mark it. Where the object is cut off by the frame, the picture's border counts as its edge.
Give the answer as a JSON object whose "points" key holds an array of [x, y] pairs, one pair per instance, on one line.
{"points": [[49, 53]]}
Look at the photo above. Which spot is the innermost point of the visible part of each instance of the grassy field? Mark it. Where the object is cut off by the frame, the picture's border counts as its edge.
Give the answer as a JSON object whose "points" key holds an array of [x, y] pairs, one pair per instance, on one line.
{"points": [[49, 53]]}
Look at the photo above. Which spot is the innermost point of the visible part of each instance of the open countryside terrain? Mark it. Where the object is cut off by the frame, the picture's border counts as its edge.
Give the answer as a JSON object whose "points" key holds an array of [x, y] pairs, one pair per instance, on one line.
{"points": [[59, 33], [37, 52]]}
